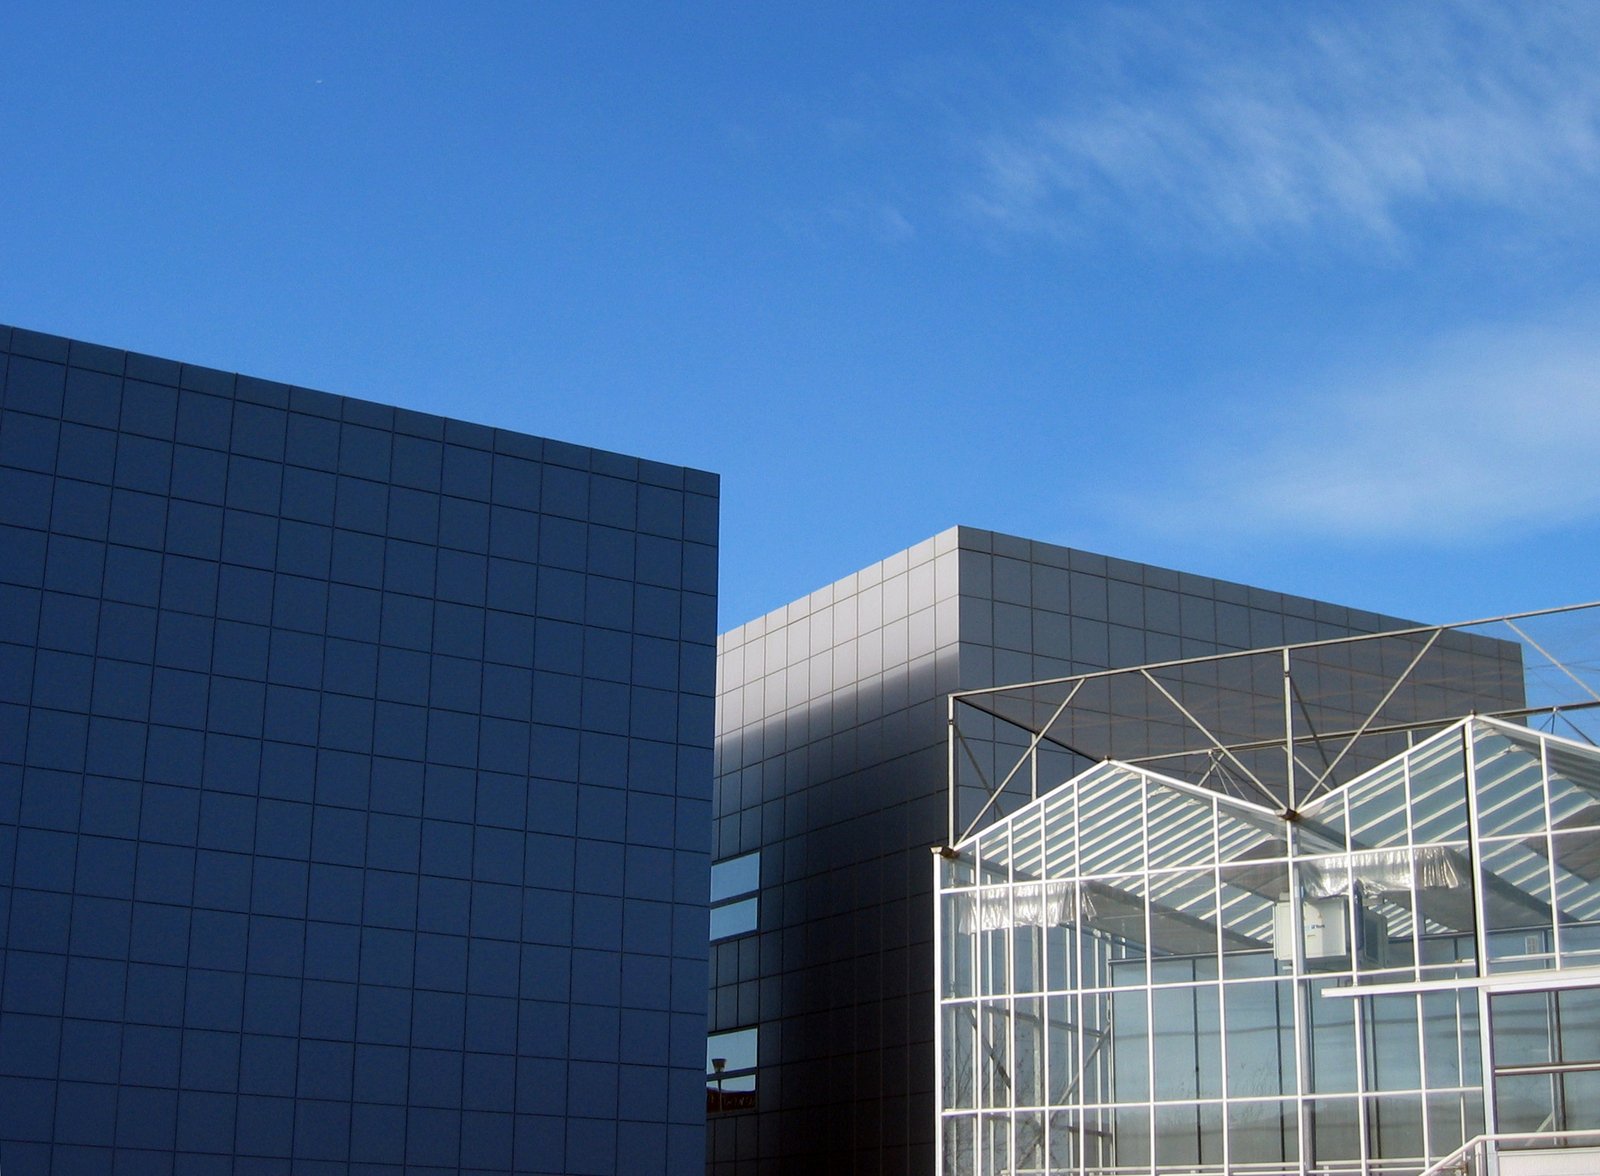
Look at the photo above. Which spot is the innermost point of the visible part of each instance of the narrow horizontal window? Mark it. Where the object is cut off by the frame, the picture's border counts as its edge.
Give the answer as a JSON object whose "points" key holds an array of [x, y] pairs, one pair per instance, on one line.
{"points": [[735, 877], [734, 918]]}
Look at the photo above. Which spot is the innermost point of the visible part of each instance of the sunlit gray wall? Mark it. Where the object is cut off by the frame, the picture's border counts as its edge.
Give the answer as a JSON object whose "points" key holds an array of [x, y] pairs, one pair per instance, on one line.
{"points": [[832, 763]]}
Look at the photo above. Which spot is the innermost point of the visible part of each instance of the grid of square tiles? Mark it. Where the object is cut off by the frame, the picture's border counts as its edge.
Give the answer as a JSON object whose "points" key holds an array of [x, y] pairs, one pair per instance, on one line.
{"points": [[831, 761], [354, 774]]}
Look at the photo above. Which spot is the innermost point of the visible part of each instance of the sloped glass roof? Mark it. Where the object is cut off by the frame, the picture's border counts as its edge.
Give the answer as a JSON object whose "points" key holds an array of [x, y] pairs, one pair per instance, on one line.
{"points": [[1406, 822]]}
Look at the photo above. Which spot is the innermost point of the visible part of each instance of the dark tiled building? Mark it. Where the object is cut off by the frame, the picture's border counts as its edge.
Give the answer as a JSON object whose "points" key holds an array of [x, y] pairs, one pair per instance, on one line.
{"points": [[831, 788], [355, 773]]}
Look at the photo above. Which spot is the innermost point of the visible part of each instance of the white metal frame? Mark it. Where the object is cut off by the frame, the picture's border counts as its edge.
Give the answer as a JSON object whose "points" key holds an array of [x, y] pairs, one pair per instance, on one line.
{"points": [[1090, 987]]}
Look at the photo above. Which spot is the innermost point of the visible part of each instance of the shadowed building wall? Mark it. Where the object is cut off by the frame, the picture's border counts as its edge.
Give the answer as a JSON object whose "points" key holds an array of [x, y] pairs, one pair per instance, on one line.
{"points": [[355, 770]]}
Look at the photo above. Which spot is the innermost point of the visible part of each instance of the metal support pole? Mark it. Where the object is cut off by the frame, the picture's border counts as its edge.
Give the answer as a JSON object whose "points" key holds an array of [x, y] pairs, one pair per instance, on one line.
{"points": [[950, 741], [1288, 734]]}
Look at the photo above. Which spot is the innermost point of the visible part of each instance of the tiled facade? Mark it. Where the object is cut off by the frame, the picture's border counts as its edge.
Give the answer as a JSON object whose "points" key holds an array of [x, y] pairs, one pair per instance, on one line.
{"points": [[355, 773], [832, 765]]}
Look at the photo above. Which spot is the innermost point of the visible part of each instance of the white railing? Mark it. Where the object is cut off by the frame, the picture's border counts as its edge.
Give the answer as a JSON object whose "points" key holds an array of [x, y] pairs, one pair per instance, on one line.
{"points": [[1478, 1156]]}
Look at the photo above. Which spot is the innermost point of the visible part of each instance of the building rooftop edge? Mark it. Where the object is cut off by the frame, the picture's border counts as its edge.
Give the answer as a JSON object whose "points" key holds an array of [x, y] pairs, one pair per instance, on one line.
{"points": [[963, 537], [125, 362]]}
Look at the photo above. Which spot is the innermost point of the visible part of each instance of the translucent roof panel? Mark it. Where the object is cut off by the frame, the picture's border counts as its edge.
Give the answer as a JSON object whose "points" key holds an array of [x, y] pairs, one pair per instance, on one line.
{"points": [[1119, 819], [1115, 819]]}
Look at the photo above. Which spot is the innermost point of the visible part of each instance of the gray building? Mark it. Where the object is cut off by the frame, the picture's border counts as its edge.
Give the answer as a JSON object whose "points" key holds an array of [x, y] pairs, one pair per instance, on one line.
{"points": [[355, 773], [831, 788]]}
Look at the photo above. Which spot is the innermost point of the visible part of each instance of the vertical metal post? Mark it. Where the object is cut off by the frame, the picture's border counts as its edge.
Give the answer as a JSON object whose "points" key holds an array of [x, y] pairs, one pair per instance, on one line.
{"points": [[1149, 970], [1556, 939], [1409, 785], [1215, 854], [1288, 732], [1480, 929], [1300, 979], [950, 767], [938, 1016]]}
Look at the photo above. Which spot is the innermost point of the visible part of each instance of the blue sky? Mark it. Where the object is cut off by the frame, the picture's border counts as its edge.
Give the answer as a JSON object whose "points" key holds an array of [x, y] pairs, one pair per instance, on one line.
{"points": [[1301, 295]]}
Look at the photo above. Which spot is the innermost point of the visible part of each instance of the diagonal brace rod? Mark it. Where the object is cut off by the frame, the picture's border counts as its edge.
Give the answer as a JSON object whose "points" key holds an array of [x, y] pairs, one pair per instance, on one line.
{"points": [[1033, 747], [1377, 710], [1582, 685], [1215, 742]]}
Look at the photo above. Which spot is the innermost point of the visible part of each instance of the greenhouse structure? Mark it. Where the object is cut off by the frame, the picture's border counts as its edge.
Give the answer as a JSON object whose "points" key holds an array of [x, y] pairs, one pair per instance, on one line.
{"points": [[1393, 972]]}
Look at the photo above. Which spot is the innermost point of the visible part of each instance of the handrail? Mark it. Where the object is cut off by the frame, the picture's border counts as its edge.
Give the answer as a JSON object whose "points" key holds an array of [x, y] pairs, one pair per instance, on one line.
{"points": [[1460, 1161]]}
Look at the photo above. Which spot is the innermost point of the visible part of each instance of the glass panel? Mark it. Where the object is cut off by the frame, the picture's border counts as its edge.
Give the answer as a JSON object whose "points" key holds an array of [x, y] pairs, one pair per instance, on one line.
{"points": [[1333, 1040], [993, 853], [993, 959], [1244, 836], [1394, 1127], [1027, 1077], [1208, 1040], [1574, 786], [958, 1145], [1510, 786], [1064, 1152], [1060, 833], [1516, 904], [1027, 963], [1335, 1130], [1263, 1133], [740, 875], [1323, 826], [1392, 1046], [1173, 1024], [1059, 955], [1181, 832], [1130, 1062], [1115, 913], [736, 1049], [1525, 1102], [1029, 1141], [996, 1148], [1522, 1029], [1189, 1134], [1095, 1082], [958, 945], [1183, 916], [1578, 1024], [736, 918], [1378, 808], [1110, 806], [1061, 1042], [1439, 793], [1027, 850], [1581, 1101], [1451, 1122], [1131, 1145], [1578, 894], [1259, 1039], [1187, 1043], [1247, 899], [960, 1041], [1449, 1023], [1444, 900], [994, 1055]]}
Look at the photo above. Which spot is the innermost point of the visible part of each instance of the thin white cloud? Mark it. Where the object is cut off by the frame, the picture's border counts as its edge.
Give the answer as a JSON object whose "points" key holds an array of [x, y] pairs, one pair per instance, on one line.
{"points": [[1492, 429], [1173, 120]]}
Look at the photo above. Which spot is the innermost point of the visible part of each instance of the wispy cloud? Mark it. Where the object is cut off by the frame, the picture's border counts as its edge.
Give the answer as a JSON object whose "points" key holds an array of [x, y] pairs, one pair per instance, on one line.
{"points": [[1492, 429], [1349, 118]]}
